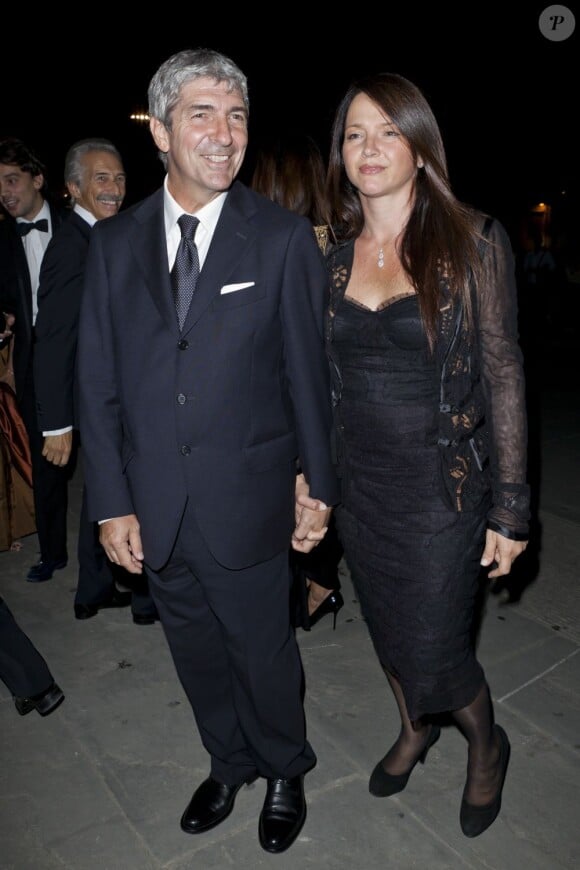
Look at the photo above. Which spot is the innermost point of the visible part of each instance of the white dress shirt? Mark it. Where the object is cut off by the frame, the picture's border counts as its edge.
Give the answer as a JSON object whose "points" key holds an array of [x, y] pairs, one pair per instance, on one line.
{"points": [[35, 244]]}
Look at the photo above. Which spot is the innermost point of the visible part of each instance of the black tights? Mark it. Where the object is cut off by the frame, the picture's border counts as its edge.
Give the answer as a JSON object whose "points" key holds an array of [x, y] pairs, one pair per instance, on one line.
{"points": [[475, 722]]}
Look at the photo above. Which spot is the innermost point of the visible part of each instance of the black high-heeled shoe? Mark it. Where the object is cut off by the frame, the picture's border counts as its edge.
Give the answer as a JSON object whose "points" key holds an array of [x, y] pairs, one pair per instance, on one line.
{"points": [[383, 784], [331, 604], [474, 820]]}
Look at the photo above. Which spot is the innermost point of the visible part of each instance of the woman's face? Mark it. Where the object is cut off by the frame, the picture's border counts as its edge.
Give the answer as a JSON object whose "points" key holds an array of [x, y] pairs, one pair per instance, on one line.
{"points": [[377, 157]]}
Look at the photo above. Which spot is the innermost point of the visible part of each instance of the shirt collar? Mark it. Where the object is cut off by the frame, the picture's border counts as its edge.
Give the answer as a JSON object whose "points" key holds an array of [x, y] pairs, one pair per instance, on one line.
{"points": [[208, 215], [86, 215]]}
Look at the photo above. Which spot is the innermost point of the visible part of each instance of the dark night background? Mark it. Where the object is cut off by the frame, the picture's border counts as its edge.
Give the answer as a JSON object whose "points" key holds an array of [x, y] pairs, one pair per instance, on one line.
{"points": [[505, 96]]}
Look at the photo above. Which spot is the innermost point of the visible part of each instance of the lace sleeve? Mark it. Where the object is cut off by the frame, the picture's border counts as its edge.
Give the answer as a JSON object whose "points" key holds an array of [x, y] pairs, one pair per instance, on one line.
{"points": [[504, 386]]}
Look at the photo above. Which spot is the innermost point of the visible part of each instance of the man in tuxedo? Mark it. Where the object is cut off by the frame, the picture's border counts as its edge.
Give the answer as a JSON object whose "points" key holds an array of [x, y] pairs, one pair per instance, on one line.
{"points": [[24, 236], [96, 181], [203, 382]]}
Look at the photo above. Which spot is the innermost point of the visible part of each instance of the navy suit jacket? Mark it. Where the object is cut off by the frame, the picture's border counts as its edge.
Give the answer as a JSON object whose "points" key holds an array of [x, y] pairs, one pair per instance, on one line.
{"points": [[220, 413], [16, 290], [59, 299]]}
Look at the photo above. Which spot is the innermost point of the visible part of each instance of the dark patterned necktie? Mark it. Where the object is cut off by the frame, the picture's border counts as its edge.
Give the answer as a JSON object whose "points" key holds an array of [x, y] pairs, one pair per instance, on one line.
{"points": [[185, 270], [24, 227]]}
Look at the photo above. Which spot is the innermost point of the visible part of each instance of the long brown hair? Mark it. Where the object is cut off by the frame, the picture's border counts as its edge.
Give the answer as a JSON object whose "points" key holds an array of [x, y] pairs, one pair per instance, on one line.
{"points": [[440, 238], [290, 170]]}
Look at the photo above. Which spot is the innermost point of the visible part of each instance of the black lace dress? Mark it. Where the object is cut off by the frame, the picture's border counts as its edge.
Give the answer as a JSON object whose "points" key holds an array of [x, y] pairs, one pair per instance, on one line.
{"points": [[414, 562]]}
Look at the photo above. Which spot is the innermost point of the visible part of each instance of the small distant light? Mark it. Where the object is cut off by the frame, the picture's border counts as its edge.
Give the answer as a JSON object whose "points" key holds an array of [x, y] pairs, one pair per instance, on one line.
{"points": [[141, 117]]}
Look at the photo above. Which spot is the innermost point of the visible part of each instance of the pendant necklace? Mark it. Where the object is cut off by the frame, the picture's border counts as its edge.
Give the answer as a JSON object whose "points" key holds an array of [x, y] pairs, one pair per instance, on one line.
{"points": [[381, 259]]}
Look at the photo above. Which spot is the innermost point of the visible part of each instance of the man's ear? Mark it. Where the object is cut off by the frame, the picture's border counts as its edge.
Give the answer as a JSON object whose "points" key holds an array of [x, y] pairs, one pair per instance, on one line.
{"points": [[38, 181], [73, 189], [160, 134]]}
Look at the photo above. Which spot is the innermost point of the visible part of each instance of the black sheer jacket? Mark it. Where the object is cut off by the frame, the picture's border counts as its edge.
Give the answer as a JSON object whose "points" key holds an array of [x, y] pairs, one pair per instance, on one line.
{"points": [[482, 435]]}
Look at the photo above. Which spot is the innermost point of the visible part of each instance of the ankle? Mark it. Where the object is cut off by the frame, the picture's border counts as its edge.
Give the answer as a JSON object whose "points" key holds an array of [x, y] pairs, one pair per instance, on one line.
{"points": [[484, 757], [405, 751], [316, 595], [483, 773]]}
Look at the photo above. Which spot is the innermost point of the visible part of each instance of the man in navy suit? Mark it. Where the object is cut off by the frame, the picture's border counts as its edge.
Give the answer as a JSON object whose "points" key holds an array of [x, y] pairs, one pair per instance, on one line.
{"points": [[96, 182], [24, 236], [192, 433]]}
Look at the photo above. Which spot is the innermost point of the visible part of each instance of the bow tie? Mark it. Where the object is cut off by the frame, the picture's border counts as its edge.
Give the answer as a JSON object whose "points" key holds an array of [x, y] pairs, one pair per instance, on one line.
{"points": [[24, 227]]}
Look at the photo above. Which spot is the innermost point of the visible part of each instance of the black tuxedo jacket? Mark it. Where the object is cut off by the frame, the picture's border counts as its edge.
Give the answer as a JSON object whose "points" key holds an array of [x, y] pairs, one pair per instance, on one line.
{"points": [[220, 413], [16, 290], [59, 299]]}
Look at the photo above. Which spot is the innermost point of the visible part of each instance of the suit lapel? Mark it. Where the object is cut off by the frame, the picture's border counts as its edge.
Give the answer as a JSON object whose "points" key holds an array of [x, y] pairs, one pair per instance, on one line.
{"points": [[149, 246], [232, 237], [57, 216], [81, 225], [23, 274]]}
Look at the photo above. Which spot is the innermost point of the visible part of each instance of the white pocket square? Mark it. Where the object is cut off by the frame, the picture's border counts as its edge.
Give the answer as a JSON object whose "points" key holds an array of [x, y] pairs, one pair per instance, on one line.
{"points": [[231, 288]]}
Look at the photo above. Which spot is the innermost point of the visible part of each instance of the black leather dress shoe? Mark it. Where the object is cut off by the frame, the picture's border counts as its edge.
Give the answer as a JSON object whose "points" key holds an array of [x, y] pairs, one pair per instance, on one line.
{"points": [[141, 619], [44, 570], [212, 802], [283, 813], [44, 703], [117, 599]]}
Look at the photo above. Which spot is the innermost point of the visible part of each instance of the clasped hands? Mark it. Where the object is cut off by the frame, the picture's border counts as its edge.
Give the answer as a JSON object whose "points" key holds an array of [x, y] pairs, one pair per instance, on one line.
{"points": [[312, 517]]}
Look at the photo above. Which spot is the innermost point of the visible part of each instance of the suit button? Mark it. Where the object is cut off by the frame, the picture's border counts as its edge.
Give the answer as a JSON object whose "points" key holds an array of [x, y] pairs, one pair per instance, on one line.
{"points": [[181, 399], [183, 344], [185, 450]]}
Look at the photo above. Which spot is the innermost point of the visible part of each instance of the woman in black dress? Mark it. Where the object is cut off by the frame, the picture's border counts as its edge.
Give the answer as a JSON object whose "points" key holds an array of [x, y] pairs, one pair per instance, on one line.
{"points": [[430, 422]]}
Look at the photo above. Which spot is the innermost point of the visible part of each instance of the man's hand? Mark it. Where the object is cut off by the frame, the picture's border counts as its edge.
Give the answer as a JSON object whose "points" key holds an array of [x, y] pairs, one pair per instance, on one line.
{"points": [[121, 541], [57, 448], [312, 517], [502, 551]]}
